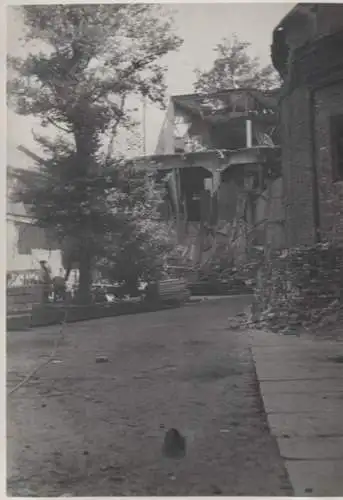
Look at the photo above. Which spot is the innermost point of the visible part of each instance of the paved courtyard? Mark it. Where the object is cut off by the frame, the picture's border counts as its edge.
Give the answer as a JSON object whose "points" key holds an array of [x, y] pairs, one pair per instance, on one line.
{"points": [[88, 428]]}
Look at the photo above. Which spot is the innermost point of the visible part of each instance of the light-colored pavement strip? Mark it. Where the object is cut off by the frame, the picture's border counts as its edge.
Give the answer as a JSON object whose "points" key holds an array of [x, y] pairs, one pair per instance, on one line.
{"points": [[301, 383]]}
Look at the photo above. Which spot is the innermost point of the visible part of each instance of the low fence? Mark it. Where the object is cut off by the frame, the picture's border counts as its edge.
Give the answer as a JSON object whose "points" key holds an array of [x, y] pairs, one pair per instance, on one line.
{"points": [[25, 308], [22, 298], [43, 315], [173, 289]]}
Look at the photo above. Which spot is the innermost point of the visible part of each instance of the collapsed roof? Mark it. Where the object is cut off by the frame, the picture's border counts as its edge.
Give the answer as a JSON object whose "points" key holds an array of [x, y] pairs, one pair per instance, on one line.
{"points": [[224, 105]]}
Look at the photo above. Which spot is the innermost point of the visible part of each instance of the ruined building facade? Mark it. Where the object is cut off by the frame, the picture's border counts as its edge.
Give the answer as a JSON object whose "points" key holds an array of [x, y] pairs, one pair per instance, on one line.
{"points": [[220, 157], [307, 52]]}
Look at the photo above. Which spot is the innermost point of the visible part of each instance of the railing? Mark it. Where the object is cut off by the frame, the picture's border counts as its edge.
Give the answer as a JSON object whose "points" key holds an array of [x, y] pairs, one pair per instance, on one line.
{"points": [[22, 278]]}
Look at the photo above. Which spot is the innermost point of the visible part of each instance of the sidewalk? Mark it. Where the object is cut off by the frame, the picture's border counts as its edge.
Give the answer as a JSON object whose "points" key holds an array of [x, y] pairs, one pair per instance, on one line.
{"points": [[301, 383]]}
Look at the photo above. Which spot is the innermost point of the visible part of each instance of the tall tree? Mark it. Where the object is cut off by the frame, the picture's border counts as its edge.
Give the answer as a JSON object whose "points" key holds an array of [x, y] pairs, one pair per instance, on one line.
{"points": [[140, 242], [234, 68], [93, 58]]}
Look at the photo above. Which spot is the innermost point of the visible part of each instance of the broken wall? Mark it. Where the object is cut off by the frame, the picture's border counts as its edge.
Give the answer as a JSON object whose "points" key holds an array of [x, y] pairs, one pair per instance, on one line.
{"points": [[227, 200]]}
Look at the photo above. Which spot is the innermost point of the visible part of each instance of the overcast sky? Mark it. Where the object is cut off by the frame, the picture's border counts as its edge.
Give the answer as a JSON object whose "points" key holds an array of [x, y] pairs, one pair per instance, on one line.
{"points": [[202, 26]]}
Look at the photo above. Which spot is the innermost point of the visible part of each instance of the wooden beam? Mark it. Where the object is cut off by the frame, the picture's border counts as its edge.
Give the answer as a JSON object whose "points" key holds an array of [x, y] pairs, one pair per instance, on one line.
{"points": [[210, 160]]}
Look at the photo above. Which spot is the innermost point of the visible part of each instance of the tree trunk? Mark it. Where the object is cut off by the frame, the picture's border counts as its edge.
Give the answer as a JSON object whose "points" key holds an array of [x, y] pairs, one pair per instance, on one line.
{"points": [[86, 148], [85, 280], [70, 254]]}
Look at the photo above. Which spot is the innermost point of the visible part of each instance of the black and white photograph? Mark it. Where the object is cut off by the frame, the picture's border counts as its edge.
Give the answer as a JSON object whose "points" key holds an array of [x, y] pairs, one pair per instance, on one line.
{"points": [[174, 249]]}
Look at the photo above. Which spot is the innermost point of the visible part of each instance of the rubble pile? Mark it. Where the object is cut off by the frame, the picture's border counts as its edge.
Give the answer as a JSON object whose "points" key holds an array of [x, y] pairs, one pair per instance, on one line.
{"points": [[300, 288]]}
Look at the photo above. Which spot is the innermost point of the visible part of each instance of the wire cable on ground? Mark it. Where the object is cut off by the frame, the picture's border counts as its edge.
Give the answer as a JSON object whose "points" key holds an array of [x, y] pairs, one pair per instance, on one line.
{"points": [[52, 354]]}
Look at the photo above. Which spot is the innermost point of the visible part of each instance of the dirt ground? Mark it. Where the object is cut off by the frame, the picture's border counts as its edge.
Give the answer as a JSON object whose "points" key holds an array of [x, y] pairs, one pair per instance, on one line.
{"points": [[96, 429]]}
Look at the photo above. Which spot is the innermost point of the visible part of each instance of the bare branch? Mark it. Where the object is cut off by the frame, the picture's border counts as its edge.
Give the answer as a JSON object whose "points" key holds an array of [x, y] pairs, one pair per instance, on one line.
{"points": [[50, 120]]}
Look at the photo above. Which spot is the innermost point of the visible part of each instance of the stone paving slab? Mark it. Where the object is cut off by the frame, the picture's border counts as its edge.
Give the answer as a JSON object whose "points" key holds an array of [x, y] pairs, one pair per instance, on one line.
{"points": [[321, 351], [311, 448], [316, 477], [325, 355], [322, 423], [302, 391], [325, 385], [299, 403], [263, 338], [279, 371]]}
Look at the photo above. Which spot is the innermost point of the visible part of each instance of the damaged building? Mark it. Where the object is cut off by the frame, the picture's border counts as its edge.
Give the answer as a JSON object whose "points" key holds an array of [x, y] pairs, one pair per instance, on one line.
{"points": [[220, 155]]}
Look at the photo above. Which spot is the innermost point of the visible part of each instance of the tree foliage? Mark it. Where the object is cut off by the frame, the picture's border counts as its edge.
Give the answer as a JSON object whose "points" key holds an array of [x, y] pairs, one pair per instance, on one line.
{"points": [[119, 208], [139, 253], [234, 68], [93, 59]]}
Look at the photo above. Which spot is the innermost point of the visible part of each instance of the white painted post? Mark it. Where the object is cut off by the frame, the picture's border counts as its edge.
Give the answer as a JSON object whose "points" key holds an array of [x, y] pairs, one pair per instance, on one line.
{"points": [[144, 124], [248, 133]]}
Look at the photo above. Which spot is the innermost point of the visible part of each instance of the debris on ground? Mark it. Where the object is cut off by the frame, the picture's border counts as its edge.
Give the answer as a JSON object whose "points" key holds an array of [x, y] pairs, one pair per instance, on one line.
{"points": [[101, 359], [299, 290], [322, 322]]}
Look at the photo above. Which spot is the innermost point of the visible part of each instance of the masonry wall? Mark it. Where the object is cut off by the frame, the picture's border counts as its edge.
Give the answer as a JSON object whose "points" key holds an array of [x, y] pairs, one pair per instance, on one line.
{"points": [[329, 18], [328, 102], [298, 165], [309, 26], [313, 36], [297, 168]]}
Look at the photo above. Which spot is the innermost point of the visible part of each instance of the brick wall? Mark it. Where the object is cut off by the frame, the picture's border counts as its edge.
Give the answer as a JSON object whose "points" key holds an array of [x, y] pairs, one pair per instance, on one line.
{"points": [[328, 102]]}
